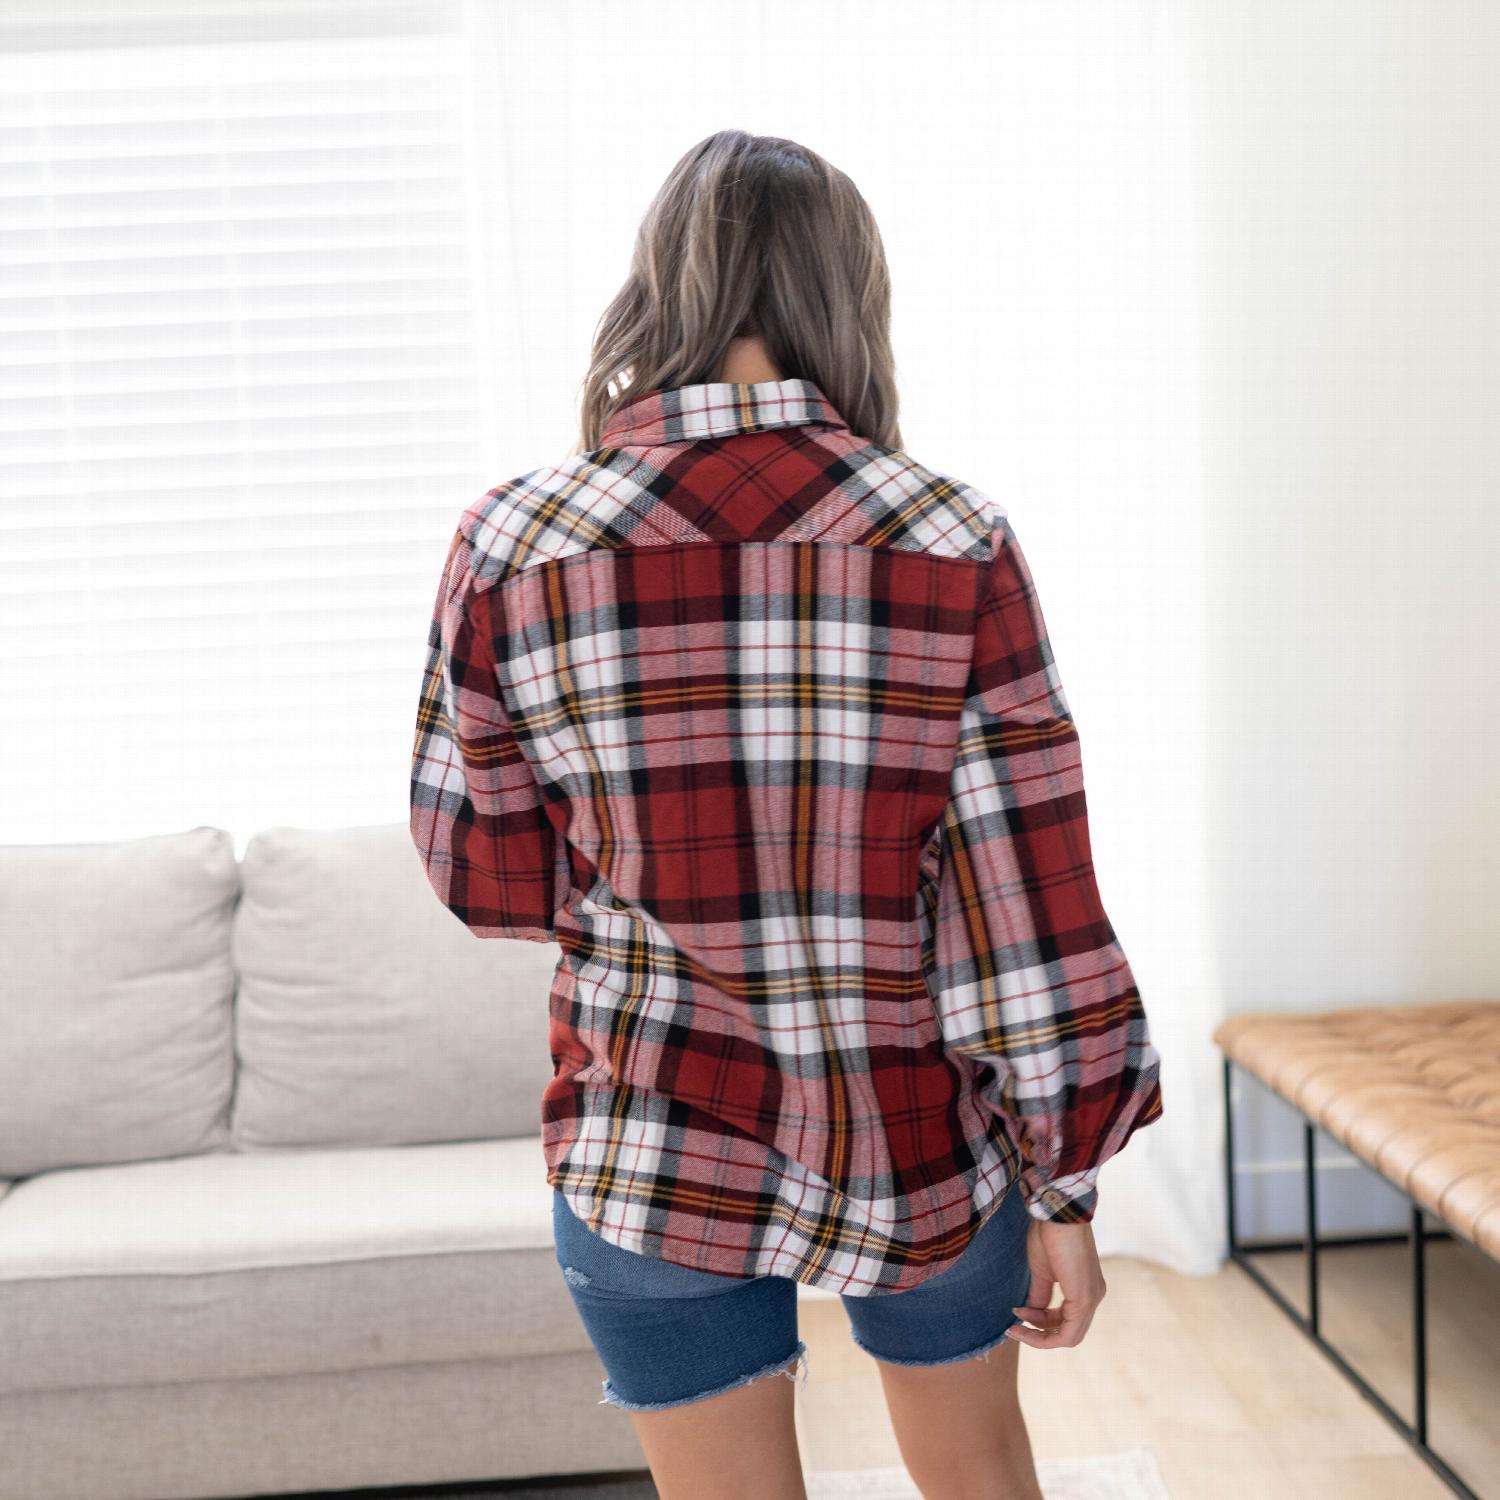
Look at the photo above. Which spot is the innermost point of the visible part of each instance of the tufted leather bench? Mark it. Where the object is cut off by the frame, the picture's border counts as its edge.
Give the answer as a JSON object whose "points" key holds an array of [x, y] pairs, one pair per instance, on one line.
{"points": [[1412, 1090]]}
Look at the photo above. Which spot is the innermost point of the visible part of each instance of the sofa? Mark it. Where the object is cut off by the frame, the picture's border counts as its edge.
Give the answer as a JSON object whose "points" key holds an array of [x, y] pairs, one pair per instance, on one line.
{"points": [[274, 1215]]}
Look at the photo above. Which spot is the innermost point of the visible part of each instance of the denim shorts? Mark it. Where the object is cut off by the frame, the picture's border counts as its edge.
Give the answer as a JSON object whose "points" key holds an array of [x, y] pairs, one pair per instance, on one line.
{"points": [[667, 1334]]}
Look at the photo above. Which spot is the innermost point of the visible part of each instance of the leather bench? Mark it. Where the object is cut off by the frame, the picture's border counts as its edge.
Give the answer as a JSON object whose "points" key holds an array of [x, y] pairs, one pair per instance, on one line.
{"points": [[1413, 1091]]}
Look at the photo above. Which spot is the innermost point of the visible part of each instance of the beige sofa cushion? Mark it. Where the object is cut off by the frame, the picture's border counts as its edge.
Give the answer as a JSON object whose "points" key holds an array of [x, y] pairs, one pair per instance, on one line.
{"points": [[239, 1265], [367, 1013], [115, 999]]}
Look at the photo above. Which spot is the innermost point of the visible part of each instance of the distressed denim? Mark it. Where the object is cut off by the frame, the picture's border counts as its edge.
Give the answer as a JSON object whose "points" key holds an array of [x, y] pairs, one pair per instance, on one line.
{"points": [[667, 1334]]}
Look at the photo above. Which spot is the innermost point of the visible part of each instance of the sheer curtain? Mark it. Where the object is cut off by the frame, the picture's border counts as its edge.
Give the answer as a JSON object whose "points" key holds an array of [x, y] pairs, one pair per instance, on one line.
{"points": [[288, 285]]}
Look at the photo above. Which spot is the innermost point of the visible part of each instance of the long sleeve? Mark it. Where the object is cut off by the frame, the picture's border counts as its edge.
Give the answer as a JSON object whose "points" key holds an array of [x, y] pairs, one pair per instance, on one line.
{"points": [[478, 817], [1027, 976]]}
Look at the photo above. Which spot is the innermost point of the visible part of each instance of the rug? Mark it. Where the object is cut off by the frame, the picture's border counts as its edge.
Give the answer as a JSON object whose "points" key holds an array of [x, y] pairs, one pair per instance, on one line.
{"points": [[1113, 1476]]}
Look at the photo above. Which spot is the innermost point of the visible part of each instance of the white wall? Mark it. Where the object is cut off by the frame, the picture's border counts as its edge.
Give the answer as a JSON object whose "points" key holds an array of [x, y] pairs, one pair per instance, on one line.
{"points": [[1350, 235]]}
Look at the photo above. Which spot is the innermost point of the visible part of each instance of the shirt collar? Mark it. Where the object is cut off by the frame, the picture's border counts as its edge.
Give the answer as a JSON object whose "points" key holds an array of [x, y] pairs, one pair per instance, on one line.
{"points": [[718, 408]]}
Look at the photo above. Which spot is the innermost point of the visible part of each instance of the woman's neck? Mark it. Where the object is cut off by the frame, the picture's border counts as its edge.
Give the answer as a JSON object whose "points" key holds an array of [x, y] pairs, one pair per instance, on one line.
{"points": [[747, 360]]}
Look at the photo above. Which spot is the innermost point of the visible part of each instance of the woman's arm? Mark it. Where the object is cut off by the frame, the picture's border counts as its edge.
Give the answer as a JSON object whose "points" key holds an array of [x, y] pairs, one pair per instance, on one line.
{"points": [[1026, 973]]}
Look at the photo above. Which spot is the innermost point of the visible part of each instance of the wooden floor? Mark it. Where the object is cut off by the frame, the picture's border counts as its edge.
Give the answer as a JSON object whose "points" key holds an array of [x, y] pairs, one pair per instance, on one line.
{"points": [[1237, 1403]]}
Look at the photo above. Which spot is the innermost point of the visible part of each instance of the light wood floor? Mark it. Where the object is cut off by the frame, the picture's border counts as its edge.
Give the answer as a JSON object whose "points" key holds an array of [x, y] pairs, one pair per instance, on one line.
{"points": [[1237, 1403]]}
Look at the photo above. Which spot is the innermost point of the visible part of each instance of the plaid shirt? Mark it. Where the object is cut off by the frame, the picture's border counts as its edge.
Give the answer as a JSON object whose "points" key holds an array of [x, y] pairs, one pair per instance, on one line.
{"points": [[758, 721]]}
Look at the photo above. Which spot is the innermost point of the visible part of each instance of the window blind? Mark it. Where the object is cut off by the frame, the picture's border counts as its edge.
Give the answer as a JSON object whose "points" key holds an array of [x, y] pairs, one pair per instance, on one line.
{"points": [[244, 380]]}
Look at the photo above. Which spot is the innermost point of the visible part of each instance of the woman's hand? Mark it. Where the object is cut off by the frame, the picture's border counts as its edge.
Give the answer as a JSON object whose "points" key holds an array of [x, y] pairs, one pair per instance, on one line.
{"points": [[1061, 1255]]}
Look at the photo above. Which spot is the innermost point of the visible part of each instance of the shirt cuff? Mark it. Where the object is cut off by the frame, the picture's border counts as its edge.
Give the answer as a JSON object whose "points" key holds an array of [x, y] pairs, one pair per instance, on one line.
{"points": [[1071, 1199]]}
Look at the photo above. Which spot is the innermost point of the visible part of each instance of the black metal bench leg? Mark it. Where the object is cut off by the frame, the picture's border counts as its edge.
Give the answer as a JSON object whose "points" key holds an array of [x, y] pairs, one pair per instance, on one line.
{"points": [[1229, 1223], [1310, 1201], [1419, 1324]]}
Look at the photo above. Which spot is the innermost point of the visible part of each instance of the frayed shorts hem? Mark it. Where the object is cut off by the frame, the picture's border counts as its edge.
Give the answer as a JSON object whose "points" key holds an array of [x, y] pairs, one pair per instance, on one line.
{"points": [[798, 1376], [948, 1359]]}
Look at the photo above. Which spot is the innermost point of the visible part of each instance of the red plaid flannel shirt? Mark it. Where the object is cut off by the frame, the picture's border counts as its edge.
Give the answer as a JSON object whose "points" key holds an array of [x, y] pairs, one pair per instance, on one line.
{"points": [[758, 721]]}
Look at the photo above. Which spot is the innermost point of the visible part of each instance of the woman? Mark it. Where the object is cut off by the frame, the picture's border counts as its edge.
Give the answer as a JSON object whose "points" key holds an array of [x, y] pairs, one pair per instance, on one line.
{"points": [[755, 716]]}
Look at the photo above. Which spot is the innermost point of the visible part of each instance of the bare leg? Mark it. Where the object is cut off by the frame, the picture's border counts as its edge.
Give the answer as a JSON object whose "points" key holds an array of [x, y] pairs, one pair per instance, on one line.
{"points": [[739, 1445], [960, 1429]]}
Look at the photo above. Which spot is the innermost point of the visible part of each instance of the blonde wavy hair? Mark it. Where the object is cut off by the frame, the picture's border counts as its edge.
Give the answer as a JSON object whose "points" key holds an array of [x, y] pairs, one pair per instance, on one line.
{"points": [[751, 234]]}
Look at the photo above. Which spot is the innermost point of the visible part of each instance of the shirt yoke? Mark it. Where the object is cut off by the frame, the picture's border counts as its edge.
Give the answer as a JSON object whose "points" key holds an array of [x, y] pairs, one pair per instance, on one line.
{"points": [[863, 494]]}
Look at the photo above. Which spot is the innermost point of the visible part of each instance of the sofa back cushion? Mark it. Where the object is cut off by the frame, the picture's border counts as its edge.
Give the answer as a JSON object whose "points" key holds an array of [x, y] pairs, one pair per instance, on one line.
{"points": [[116, 992], [367, 1013]]}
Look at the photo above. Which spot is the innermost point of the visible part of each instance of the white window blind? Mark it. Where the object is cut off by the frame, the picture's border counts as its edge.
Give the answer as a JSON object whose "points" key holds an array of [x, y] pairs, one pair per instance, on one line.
{"points": [[244, 386]]}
